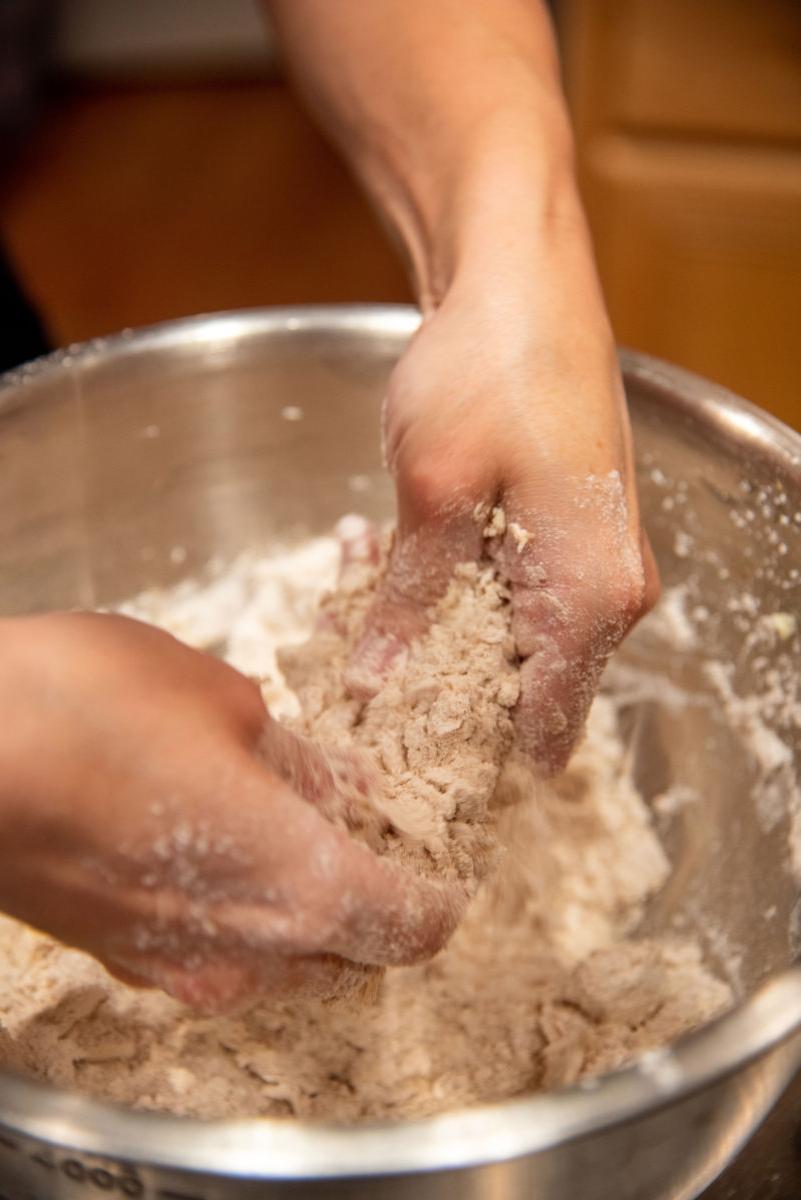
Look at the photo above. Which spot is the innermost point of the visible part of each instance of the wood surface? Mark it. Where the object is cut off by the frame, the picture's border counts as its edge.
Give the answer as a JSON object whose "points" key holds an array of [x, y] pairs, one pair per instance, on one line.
{"points": [[134, 204], [688, 118]]}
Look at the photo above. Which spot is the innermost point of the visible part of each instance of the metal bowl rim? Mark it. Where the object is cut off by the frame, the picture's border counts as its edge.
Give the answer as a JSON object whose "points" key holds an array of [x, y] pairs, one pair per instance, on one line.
{"points": [[267, 1148]]}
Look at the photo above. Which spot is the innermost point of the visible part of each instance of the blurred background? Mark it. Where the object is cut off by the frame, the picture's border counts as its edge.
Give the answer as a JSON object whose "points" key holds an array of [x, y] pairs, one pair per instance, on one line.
{"points": [[155, 164]]}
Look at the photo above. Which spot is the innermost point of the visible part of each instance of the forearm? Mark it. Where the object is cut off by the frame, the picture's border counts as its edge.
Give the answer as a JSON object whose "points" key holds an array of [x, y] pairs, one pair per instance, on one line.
{"points": [[452, 115]]}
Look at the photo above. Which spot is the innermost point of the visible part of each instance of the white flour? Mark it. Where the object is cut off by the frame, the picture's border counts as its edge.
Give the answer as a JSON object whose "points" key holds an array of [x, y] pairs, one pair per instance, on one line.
{"points": [[544, 983]]}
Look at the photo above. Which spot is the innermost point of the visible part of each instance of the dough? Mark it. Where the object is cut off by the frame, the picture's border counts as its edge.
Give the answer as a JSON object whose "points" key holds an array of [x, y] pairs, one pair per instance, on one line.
{"points": [[544, 983], [437, 733]]}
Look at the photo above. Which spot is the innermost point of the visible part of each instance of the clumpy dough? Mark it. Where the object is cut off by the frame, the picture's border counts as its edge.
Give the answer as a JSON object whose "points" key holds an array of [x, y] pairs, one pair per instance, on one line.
{"points": [[544, 983], [436, 734]]}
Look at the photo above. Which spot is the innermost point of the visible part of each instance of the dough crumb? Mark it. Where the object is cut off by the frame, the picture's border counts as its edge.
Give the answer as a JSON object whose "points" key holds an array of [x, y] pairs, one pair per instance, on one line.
{"points": [[496, 526], [437, 732], [521, 536]]}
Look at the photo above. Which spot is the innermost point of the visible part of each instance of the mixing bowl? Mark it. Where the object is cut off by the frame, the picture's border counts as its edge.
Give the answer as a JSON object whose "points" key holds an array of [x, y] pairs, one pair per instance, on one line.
{"points": [[134, 461]]}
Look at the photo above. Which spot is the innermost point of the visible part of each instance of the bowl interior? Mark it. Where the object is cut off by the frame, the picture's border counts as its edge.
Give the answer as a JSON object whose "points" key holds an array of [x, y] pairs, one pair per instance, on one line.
{"points": [[135, 462]]}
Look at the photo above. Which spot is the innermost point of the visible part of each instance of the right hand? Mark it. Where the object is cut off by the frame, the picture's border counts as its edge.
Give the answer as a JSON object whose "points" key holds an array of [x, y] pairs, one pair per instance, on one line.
{"points": [[510, 395], [139, 823]]}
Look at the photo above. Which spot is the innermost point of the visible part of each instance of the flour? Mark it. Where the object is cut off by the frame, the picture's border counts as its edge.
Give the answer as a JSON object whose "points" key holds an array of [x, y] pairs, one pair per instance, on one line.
{"points": [[544, 982]]}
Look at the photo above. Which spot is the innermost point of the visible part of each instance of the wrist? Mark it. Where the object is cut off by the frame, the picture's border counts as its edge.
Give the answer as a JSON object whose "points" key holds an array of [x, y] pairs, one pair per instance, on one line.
{"points": [[512, 201], [517, 256], [480, 201]]}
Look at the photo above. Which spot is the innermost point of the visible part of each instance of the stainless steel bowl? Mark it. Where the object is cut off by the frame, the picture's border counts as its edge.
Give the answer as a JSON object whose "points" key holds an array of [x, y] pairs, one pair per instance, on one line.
{"points": [[115, 452]]}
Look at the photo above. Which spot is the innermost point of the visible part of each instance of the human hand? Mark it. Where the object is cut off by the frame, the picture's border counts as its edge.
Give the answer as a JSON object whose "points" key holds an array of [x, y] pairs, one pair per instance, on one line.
{"points": [[141, 824], [510, 394], [510, 398]]}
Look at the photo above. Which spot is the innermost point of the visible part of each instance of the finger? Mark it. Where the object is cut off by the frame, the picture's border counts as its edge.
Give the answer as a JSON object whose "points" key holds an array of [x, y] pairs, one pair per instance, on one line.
{"points": [[129, 978], [421, 565], [314, 890], [227, 987], [570, 610], [391, 917], [304, 889], [558, 681], [340, 783], [353, 904], [213, 987], [216, 973], [438, 528], [653, 585]]}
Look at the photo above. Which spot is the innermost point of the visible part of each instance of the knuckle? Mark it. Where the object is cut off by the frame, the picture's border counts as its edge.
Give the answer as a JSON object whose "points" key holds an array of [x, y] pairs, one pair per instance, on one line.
{"points": [[604, 592], [619, 594], [434, 482], [247, 704]]}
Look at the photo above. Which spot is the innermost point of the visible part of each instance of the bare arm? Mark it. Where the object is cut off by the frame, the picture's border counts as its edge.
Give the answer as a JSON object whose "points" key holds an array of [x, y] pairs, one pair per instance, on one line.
{"points": [[445, 109], [453, 117]]}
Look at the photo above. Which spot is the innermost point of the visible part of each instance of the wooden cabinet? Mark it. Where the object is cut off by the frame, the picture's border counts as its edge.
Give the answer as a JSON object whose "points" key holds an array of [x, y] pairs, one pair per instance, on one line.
{"points": [[688, 119]]}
